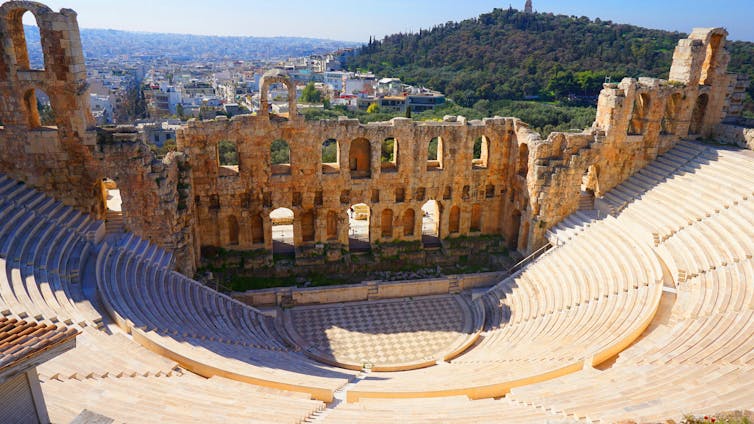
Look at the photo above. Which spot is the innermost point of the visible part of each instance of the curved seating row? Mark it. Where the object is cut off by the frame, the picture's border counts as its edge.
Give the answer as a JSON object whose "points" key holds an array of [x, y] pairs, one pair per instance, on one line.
{"points": [[563, 311], [205, 331], [698, 357], [179, 399], [43, 246], [45, 250]]}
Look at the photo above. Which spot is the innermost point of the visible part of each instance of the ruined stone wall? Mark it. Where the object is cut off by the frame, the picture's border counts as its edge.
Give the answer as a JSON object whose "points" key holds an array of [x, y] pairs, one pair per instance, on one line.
{"points": [[521, 186], [636, 121], [247, 194], [70, 159]]}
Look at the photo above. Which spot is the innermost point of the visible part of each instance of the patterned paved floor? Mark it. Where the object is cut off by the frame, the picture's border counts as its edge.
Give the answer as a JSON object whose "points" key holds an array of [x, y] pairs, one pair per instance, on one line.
{"points": [[383, 333]]}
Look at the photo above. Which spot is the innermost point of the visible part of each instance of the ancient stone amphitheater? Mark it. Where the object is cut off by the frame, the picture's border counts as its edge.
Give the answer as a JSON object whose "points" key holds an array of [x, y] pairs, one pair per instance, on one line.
{"points": [[643, 308]]}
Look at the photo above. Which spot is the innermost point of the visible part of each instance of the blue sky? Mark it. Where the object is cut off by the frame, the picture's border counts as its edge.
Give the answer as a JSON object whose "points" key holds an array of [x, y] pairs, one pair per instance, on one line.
{"points": [[357, 20]]}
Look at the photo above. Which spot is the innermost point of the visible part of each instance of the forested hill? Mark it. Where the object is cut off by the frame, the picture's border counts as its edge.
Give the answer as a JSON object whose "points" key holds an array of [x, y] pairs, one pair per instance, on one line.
{"points": [[508, 54]]}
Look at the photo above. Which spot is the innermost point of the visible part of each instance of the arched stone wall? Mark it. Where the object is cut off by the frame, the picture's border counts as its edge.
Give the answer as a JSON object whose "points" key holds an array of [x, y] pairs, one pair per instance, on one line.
{"points": [[277, 77]]}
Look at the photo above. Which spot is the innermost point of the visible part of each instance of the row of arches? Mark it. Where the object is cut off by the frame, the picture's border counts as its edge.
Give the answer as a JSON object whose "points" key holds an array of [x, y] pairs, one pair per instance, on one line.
{"points": [[359, 156], [671, 114], [359, 221]]}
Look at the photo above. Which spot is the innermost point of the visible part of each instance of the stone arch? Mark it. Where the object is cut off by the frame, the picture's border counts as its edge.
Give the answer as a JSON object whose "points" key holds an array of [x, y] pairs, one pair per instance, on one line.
{"points": [[389, 156], [454, 220], [232, 230], [257, 229], [481, 152], [281, 223], [697, 116], [38, 113], [435, 154], [272, 77], [522, 164], [409, 221], [330, 156], [332, 225], [386, 223], [228, 158], [359, 227], [13, 13], [360, 158], [475, 224], [711, 65], [672, 112], [639, 115], [280, 157], [307, 226]]}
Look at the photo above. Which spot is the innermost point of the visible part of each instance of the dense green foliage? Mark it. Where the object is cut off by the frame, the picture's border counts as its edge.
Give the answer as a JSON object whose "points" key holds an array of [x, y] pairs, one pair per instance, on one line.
{"points": [[330, 151], [507, 54], [228, 153], [310, 94], [543, 117], [280, 152]]}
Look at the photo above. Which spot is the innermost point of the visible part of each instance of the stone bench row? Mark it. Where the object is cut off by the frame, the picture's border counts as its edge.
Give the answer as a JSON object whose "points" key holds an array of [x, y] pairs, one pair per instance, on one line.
{"points": [[178, 399], [205, 331]]}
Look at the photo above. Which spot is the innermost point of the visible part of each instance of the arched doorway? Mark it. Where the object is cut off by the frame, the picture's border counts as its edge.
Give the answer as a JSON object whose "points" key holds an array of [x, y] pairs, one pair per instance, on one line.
{"points": [[431, 224], [359, 217], [282, 231], [114, 222], [697, 116], [386, 223]]}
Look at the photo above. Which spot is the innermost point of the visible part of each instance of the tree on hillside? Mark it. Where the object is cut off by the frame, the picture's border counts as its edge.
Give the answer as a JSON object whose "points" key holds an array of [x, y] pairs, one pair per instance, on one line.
{"points": [[311, 94]]}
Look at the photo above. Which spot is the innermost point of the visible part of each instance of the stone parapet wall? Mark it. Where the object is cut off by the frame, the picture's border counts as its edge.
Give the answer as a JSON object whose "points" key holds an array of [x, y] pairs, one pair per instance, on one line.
{"points": [[368, 290]]}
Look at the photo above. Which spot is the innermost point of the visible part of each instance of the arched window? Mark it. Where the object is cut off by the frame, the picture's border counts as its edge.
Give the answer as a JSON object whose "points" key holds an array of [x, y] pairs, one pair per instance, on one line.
{"points": [[710, 62], [232, 230], [38, 108], [27, 40], [409, 217], [307, 226], [330, 156], [639, 115], [434, 154], [672, 110], [387, 223], [476, 218], [481, 152], [227, 157], [389, 157], [282, 231], [332, 225], [257, 230], [280, 157], [454, 220], [360, 158], [697, 116]]}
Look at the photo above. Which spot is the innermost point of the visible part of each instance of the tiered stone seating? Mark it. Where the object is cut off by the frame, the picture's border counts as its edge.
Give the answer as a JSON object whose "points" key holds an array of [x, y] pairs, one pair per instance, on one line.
{"points": [[438, 410], [563, 311], [203, 330], [42, 248], [179, 399], [699, 355]]}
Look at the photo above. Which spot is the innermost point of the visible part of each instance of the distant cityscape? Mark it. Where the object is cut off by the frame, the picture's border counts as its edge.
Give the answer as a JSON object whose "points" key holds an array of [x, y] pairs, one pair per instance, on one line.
{"points": [[158, 81]]}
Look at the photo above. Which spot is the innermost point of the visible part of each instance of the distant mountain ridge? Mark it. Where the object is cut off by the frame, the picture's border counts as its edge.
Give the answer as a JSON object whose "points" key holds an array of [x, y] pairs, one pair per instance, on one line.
{"points": [[508, 54], [108, 43]]}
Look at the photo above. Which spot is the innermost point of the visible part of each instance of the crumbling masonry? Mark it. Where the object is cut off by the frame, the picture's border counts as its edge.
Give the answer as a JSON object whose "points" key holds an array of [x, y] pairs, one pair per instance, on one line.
{"points": [[519, 186]]}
